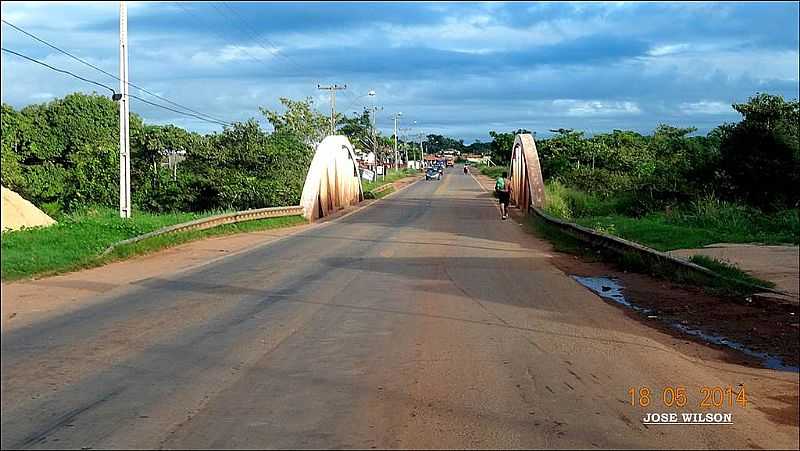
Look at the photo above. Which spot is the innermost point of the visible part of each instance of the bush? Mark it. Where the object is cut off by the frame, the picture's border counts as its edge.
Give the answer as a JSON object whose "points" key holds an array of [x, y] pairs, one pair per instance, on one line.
{"points": [[569, 203]]}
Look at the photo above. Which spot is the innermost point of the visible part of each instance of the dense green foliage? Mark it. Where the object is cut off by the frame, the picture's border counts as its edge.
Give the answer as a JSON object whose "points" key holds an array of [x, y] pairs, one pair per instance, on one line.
{"points": [[502, 144], [492, 171], [694, 224], [64, 156], [670, 190], [756, 161]]}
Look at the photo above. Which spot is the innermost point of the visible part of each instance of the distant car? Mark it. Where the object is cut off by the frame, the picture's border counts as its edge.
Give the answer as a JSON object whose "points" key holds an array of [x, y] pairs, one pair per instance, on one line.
{"points": [[433, 173]]}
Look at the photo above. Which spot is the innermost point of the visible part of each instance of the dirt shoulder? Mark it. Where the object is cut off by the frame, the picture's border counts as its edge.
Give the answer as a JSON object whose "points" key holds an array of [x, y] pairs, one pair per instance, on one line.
{"points": [[759, 325], [27, 301]]}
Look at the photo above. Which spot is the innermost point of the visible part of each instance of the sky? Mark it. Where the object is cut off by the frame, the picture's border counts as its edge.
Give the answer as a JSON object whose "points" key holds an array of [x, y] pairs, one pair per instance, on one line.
{"points": [[457, 69]]}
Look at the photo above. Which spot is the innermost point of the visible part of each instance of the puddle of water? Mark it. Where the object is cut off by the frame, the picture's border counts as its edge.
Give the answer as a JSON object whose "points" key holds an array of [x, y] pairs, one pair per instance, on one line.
{"points": [[610, 288], [771, 362]]}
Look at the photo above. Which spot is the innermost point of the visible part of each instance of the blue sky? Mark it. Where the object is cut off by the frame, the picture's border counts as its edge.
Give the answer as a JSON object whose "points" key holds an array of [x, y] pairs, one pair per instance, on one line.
{"points": [[459, 69]]}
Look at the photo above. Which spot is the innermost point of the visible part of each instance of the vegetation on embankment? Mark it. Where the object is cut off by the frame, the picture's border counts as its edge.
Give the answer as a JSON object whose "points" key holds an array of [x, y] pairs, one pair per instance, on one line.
{"points": [[491, 171], [392, 175], [693, 224], [79, 238], [740, 183], [732, 283]]}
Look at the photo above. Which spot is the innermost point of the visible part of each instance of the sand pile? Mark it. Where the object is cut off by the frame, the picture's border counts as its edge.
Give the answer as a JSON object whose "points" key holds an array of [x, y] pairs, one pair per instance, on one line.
{"points": [[18, 212]]}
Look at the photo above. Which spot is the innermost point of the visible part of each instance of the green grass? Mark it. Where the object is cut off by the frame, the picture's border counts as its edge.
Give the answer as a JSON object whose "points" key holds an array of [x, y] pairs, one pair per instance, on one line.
{"points": [[79, 238], [703, 222], [654, 232], [173, 239], [728, 270], [695, 225], [379, 194], [637, 262], [492, 171], [391, 176]]}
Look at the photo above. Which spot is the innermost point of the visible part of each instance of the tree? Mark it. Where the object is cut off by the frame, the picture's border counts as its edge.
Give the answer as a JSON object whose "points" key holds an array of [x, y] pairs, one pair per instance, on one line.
{"points": [[243, 167], [15, 130], [479, 148], [502, 145], [300, 119], [437, 143], [358, 130], [760, 155]]}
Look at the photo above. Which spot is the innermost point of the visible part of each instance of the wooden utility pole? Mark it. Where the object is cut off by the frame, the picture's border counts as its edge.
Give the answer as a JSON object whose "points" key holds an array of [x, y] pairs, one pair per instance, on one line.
{"points": [[332, 89]]}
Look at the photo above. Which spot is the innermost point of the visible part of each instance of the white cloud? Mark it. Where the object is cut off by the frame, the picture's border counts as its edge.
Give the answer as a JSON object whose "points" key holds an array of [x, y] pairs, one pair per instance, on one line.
{"points": [[471, 32], [581, 108], [668, 49], [239, 52], [759, 64], [42, 96], [706, 107]]}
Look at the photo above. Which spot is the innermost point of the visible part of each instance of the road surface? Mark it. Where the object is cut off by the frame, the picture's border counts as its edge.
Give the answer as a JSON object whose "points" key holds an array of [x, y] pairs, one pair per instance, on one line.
{"points": [[422, 321]]}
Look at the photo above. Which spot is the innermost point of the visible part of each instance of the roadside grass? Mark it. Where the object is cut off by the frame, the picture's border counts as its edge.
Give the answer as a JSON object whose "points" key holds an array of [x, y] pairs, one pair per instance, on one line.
{"points": [[391, 176], [728, 270], [703, 222], [173, 239], [378, 194], [729, 286], [491, 171], [79, 238]]}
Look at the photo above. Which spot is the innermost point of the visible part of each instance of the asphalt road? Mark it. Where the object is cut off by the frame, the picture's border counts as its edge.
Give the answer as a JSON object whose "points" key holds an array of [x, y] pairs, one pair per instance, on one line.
{"points": [[423, 321]]}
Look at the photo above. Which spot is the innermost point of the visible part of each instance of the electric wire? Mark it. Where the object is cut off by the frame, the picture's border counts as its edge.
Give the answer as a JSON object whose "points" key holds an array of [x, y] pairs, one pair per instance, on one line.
{"points": [[110, 74], [110, 88]]}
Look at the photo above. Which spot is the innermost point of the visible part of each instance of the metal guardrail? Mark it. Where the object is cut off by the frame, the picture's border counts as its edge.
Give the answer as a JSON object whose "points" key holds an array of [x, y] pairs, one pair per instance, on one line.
{"points": [[621, 246], [214, 221]]}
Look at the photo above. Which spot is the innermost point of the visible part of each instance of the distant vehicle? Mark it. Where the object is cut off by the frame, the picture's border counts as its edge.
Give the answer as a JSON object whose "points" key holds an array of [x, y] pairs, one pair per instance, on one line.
{"points": [[433, 173], [450, 160]]}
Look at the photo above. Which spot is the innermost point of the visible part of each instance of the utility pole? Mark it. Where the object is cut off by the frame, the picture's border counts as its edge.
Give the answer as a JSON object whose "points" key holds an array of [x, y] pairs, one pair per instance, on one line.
{"points": [[396, 115], [374, 111], [332, 89], [422, 151], [405, 131], [124, 116]]}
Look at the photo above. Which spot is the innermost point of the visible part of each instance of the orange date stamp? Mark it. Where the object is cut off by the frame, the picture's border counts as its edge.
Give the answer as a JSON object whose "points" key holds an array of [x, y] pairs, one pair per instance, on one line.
{"points": [[708, 397]]}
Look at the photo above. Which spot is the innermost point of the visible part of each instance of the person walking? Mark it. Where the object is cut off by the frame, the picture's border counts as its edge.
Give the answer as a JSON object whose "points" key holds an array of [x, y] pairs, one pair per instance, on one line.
{"points": [[502, 187]]}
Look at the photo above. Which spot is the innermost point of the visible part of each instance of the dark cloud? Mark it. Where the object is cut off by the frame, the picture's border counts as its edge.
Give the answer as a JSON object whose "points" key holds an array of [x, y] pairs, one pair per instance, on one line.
{"points": [[456, 68]]}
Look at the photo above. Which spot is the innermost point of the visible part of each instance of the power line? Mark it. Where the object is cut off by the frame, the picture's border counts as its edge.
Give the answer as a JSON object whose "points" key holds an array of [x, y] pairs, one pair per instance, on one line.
{"points": [[56, 48], [214, 119], [176, 111], [59, 70], [111, 89], [252, 57], [276, 50]]}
